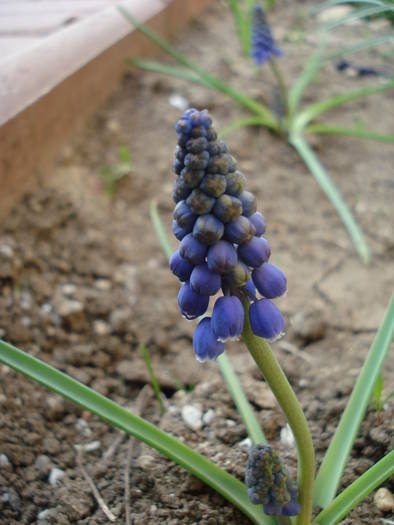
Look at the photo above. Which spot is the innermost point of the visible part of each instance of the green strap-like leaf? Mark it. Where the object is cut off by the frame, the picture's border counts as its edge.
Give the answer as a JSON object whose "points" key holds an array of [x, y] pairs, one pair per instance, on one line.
{"points": [[117, 416], [359, 46], [242, 25], [311, 112], [333, 129], [357, 491], [238, 396], [355, 14], [332, 3], [157, 67], [334, 462], [240, 123], [212, 81], [325, 182]]}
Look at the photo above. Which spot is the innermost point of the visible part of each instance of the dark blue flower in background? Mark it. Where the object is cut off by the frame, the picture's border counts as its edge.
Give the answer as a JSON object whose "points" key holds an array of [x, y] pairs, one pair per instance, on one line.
{"points": [[269, 482], [263, 43], [221, 247]]}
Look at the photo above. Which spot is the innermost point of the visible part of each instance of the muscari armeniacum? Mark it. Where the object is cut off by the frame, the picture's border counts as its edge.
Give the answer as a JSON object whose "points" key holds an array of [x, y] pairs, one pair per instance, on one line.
{"points": [[221, 247], [263, 43]]}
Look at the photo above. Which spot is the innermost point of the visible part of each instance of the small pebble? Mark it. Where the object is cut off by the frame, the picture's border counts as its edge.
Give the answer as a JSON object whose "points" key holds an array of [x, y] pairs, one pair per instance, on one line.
{"points": [[4, 461], [145, 461], [101, 327], [208, 417], [55, 475], [89, 447], [192, 416], [178, 101], [68, 289], [103, 284], [245, 443], [384, 500], [43, 514], [43, 463], [6, 251], [287, 436]]}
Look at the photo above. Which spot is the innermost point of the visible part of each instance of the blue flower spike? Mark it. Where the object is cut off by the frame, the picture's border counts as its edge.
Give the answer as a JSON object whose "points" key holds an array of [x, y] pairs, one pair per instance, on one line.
{"points": [[221, 247], [263, 43], [269, 482]]}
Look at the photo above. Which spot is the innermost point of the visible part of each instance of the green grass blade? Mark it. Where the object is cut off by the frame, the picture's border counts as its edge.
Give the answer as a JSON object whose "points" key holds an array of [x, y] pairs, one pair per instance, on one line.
{"points": [[157, 67], [117, 416], [240, 123], [307, 76], [333, 129], [320, 107], [357, 491], [338, 452], [212, 81], [153, 378], [242, 25], [332, 3], [238, 396], [316, 168], [356, 14], [244, 409], [359, 46]]}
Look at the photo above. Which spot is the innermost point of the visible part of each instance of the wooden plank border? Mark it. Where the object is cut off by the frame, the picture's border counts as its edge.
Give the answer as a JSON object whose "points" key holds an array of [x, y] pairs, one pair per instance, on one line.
{"points": [[30, 140]]}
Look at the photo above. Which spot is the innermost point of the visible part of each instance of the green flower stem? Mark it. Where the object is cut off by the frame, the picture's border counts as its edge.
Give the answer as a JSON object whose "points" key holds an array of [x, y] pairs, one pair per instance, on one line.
{"points": [[273, 374], [281, 84]]}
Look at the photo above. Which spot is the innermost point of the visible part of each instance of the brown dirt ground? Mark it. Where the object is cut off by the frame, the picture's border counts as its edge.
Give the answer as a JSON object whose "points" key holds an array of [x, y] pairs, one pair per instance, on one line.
{"points": [[84, 283]]}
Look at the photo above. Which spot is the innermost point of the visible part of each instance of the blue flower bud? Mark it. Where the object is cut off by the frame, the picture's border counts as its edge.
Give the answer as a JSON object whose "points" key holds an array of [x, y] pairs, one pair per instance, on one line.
{"points": [[180, 153], [222, 257], [255, 252], [269, 482], [179, 232], [232, 164], [180, 191], [248, 203], [263, 44], [200, 203], [227, 208], [227, 318], [250, 289], [258, 222], [208, 229], [206, 119], [198, 161], [204, 281], [197, 145], [191, 304], [236, 183], [219, 164], [239, 231], [266, 320], [183, 126], [192, 249], [238, 276], [213, 184], [205, 343], [269, 280], [191, 178], [177, 166], [180, 266], [184, 216], [197, 132], [211, 134]]}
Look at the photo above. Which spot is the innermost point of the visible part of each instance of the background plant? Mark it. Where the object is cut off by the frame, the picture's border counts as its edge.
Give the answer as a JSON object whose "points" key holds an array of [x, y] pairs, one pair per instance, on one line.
{"points": [[111, 175], [301, 119]]}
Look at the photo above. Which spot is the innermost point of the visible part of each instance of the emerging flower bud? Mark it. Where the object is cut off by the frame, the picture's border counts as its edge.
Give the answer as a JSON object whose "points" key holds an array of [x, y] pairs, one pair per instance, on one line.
{"points": [[180, 266], [248, 201], [191, 304], [222, 257], [204, 281], [192, 249], [227, 208], [213, 184], [184, 216], [227, 318], [236, 183], [255, 252], [269, 482], [200, 203], [258, 222], [263, 44], [205, 344], [239, 231], [208, 229], [266, 320], [269, 280]]}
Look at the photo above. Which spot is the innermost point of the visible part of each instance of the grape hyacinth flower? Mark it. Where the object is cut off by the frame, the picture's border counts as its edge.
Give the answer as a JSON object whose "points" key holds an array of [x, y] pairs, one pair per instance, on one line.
{"points": [[221, 246], [263, 43], [269, 482]]}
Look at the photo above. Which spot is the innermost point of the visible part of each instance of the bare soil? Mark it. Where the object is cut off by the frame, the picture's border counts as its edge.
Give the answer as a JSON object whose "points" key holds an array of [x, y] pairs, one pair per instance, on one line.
{"points": [[84, 283]]}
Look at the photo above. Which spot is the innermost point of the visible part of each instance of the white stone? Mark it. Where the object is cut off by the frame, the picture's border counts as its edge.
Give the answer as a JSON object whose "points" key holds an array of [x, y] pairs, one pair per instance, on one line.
{"points": [[245, 443], [68, 289], [287, 437], [192, 417], [55, 475], [43, 514], [384, 500], [208, 417], [178, 101], [4, 461], [101, 327]]}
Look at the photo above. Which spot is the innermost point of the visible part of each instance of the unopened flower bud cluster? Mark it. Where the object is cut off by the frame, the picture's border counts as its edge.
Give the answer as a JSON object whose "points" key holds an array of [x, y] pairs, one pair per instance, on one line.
{"points": [[269, 482], [221, 243]]}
